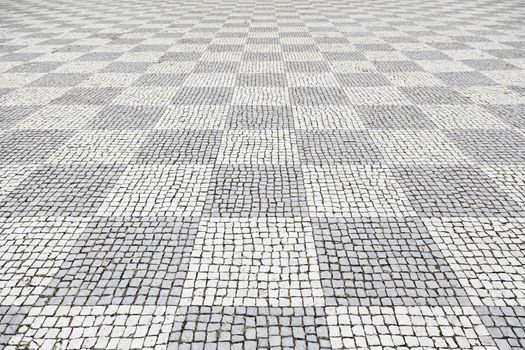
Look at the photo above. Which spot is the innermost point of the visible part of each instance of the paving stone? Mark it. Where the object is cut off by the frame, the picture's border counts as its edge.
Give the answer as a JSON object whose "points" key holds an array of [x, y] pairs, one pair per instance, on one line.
{"points": [[116, 117], [110, 327], [251, 327], [231, 265], [259, 117], [126, 261], [159, 190], [438, 191], [471, 245], [502, 146], [450, 327], [60, 190], [88, 96], [258, 191], [383, 262], [394, 117], [354, 190], [318, 147], [262, 175], [180, 146]]}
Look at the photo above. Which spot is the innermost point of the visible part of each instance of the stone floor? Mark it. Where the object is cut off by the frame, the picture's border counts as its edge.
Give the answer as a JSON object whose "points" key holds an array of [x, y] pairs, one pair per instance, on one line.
{"points": [[328, 174]]}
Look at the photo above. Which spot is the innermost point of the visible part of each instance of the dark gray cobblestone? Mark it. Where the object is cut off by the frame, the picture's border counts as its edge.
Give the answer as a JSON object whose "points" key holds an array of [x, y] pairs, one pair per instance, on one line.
{"points": [[281, 174], [250, 328]]}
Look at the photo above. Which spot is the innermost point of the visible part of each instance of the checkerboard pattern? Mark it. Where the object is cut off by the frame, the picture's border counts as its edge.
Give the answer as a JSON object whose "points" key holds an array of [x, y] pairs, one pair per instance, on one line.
{"points": [[262, 174]]}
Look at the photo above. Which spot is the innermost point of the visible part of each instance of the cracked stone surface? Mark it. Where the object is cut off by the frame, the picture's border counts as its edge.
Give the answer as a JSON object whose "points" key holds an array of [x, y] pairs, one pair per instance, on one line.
{"points": [[262, 174]]}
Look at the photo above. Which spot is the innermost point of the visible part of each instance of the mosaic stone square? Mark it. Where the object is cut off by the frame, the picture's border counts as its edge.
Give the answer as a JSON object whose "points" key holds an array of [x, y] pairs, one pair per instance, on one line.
{"points": [[261, 80], [505, 325], [319, 147], [159, 190], [109, 327], [11, 115], [161, 79], [367, 327], [258, 147], [354, 190], [326, 118], [31, 146], [512, 115], [462, 118], [289, 174], [12, 175], [362, 79], [88, 96], [383, 262], [126, 261], [99, 147], [179, 146], [257, 191], [250, 327], [259, 117], [434, 95], [376, 96], [32, 96], [204, 96], [59, 80], [117, 117], [440, 191], [26, 269], [314, 96], [253, 262], [192, 117], [394, 117], [417, 147], [61, 190], [509, 178], [59, 117], [499, 147], [483, 240]]}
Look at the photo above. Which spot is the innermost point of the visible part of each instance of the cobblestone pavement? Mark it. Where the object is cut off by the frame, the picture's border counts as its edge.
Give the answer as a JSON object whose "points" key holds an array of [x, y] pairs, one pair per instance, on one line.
{"points": [[295, 174]]}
